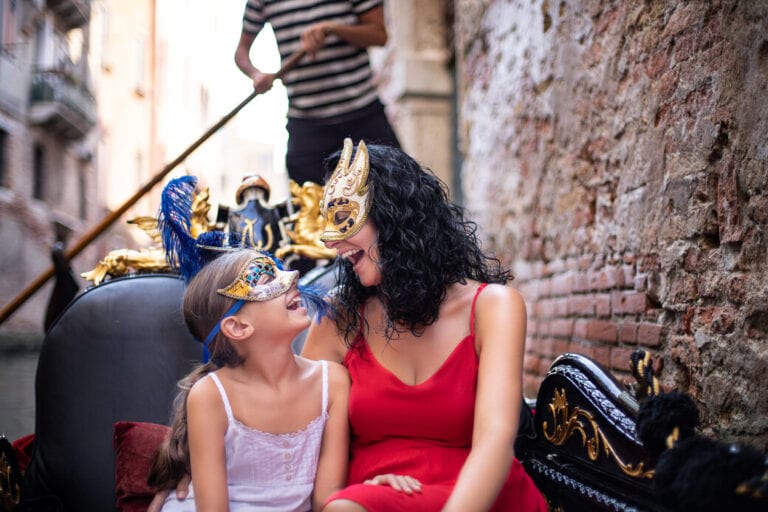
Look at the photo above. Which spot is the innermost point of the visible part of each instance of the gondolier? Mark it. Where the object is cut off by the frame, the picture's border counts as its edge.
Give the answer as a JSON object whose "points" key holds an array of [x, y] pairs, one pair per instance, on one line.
{"points": [[331, 94]]}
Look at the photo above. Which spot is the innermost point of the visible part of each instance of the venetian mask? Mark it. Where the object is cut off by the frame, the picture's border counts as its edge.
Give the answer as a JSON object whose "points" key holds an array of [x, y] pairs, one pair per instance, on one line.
{"points": [[260, 280], [345, 201]]}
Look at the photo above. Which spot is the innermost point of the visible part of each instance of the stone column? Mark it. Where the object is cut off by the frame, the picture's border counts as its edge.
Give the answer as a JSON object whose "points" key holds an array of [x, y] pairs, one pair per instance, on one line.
{"points": [[415, 81]]}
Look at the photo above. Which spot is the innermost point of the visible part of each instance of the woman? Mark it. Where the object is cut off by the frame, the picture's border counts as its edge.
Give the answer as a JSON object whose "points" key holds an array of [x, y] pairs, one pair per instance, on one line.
{"points": [[433, 341]]}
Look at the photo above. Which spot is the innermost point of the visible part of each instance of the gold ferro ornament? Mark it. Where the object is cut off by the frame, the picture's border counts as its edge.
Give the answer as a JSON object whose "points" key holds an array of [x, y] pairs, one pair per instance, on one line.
{"points": [[308, 224], [120, 262], [567, 422], [346, 199]]}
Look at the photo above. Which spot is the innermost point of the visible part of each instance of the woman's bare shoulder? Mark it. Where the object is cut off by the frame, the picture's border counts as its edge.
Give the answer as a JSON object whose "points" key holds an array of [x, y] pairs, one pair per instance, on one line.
{"points": [[500, 295], [324, 342]]}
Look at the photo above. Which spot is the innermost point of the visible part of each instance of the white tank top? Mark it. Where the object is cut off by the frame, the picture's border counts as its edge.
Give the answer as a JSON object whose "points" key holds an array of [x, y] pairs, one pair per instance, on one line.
{"points": [[267, 472]]}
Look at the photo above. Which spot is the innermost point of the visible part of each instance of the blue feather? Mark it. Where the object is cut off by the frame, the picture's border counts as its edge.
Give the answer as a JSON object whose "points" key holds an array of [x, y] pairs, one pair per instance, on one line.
{"points": [[215, 239], [213, 244], [174, 222], [315, 299]]}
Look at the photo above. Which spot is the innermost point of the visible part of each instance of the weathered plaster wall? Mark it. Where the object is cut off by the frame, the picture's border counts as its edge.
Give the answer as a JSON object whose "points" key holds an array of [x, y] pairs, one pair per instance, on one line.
{"points": [[615, 155], [414, 80]]}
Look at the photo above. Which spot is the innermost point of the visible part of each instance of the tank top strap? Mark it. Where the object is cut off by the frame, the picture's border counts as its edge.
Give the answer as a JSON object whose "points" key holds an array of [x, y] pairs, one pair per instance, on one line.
{"points": [[472, 313], [223, 394], [324, 365]]}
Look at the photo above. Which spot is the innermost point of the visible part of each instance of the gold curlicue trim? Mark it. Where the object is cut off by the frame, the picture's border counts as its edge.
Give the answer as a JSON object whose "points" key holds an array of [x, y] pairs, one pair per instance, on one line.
{"points": [[10, 491], [567, 422]]}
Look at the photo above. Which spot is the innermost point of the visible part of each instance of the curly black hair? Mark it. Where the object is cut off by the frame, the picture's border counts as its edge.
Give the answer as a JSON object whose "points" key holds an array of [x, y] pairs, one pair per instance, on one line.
{"points": [[424, 244]]}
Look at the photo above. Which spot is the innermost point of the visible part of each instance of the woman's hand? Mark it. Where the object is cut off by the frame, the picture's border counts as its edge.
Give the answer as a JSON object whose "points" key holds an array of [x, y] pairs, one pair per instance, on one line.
{"points": [[402, 483]]}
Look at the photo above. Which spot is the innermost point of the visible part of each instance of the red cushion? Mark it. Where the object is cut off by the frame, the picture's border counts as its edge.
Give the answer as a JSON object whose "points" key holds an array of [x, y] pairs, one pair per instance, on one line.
{"points": [[135, 445], [22, 447]]}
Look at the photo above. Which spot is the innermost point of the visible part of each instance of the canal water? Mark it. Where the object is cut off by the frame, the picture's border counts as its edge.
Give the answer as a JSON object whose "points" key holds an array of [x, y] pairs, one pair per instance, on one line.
{"points": [[17, 393]]}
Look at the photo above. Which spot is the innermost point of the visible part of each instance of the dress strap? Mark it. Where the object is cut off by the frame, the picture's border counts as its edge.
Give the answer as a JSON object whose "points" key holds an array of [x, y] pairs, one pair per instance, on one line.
{"points": [[472, 313], [325, 385], [223, 394]]}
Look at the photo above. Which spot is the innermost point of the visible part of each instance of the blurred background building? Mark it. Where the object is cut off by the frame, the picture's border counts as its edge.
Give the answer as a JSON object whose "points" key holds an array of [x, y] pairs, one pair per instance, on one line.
{"points": [[48, 120], [97, 96]]}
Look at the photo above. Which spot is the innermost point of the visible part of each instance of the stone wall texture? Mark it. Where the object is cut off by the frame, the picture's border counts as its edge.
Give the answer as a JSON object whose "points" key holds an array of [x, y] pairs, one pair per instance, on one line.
{"points": [[615, 156]]}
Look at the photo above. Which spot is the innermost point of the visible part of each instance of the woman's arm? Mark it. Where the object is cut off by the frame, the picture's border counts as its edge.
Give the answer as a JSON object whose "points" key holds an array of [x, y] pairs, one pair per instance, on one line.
{"points": [[369, 31], [324, 342], [206, 425], [334, 452], [500, 325]]}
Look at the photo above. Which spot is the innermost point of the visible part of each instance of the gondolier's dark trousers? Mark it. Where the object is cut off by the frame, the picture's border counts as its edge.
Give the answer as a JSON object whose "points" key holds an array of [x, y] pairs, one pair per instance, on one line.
{"points": [[311, 141]]}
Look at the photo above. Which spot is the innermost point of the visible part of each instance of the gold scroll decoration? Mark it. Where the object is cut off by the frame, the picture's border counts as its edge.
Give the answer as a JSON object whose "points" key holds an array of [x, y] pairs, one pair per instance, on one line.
{"points": [[120, 262], [566, 423], [307, 224], [10, 492]]}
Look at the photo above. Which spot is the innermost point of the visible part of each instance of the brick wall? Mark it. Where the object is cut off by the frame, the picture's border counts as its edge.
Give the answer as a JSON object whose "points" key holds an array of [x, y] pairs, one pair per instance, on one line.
{"points": [[615, 156], [586, 305]]}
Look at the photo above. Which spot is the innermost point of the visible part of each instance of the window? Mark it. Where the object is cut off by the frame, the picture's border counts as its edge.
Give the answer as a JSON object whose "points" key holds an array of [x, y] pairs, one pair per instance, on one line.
{"points": [[8, 24], [82, 186], [4, 140], [38, 169], [140, 56], [45, 45]]}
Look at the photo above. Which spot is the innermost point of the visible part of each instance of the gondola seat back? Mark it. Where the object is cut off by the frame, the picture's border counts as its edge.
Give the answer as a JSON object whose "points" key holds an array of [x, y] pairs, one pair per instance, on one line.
{"points": [[586, 454], [115, 354]]}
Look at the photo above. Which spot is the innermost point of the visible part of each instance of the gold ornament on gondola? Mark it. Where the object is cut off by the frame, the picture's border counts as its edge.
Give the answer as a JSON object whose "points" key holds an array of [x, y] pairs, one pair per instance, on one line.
{"points": [[120, 262], [567, 422], [308, 224]]}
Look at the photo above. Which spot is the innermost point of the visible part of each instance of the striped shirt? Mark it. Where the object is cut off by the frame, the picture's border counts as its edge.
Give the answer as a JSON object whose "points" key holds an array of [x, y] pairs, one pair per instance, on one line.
{"points": [[339, 80]]}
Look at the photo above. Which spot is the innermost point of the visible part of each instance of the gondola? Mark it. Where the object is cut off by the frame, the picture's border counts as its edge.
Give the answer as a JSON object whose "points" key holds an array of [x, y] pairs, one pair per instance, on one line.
{"points": [[110, 360]]}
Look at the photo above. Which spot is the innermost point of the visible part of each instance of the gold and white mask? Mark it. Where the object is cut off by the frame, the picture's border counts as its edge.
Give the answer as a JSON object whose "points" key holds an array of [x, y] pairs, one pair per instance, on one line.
{"points": [[345, 203], [259, 280]]}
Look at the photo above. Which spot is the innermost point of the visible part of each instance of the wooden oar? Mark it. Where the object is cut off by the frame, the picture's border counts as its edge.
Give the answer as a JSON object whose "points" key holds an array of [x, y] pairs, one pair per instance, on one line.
{"points": [[97, 230]]}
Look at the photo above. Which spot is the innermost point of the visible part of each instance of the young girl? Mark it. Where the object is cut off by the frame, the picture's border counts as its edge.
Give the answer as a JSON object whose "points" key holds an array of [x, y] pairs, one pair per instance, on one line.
{"points": [[257, 427]]}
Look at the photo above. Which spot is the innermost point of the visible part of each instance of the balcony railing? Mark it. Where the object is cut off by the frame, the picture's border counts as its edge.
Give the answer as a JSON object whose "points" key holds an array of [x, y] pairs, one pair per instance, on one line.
{"points": [[61, 105], [70, 13]]}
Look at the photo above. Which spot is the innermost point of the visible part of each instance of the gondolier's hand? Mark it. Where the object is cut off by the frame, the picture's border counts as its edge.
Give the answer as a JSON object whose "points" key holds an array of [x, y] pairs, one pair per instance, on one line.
{"points": [[182, 491], [262, 82], [313, 38]]}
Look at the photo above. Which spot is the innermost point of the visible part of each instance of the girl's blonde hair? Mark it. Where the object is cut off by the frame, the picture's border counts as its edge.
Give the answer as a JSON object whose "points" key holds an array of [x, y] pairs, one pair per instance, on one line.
{"points": [[203, 309]]}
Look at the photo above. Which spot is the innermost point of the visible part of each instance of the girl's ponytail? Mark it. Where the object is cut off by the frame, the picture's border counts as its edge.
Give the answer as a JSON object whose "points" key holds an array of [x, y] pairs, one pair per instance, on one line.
{"points": [[171, 461]]}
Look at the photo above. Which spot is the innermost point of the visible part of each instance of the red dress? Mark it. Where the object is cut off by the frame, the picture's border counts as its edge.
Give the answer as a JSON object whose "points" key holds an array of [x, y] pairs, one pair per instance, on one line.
{"points": [[424, 431]]}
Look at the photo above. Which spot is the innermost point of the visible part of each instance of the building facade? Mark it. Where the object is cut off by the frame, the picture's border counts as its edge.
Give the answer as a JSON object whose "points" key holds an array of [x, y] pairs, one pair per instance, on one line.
{"points": [[96, 97], [48, 180]]}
